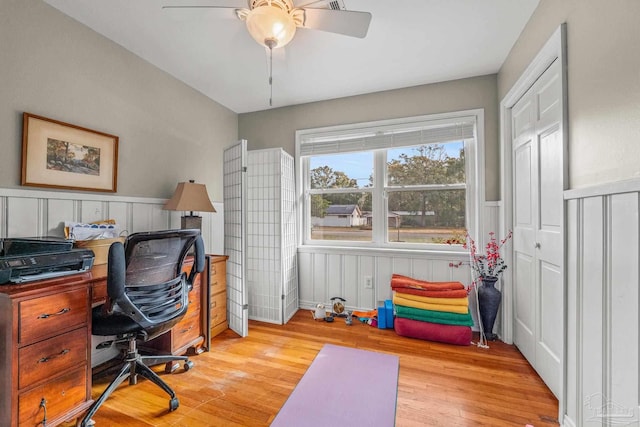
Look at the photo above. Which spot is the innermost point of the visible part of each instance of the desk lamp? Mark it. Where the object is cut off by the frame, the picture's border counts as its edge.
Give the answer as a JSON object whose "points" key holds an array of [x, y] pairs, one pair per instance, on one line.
{"points": [[191, 197]]}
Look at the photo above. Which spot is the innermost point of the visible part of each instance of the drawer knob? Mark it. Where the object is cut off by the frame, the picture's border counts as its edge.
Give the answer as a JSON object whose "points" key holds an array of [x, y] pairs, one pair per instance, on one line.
{"points": [[53, 356], [47, 315]]}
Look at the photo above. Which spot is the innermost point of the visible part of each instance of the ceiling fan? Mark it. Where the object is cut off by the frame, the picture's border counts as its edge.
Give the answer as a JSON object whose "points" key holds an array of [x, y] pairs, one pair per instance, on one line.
{"points": [[273, 23]]}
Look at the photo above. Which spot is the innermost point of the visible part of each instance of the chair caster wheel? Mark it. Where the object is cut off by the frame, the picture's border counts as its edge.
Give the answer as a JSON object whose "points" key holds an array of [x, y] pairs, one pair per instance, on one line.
{"points": [[171, 367], [173, 404], [188, 365]]}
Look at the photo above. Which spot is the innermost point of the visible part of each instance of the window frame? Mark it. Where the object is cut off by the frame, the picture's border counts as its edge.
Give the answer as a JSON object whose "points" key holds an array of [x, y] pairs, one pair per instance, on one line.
{"points": [[474, 174]]}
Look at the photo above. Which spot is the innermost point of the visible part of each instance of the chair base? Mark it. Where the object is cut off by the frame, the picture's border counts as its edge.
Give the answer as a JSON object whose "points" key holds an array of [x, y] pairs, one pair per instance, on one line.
{"points": [[134, 365]]}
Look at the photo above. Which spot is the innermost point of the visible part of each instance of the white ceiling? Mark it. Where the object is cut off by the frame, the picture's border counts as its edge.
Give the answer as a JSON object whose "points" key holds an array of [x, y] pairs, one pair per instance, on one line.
{"points": [[410, 42]]}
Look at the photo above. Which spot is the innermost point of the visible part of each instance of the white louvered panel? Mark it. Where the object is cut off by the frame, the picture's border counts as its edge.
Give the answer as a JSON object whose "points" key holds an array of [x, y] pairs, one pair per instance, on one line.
{"points": [[33, 213], [351, 276], [58, 211], [335, 285], [402, 266], [91, 210], [119, 212], [367, 267], [148, 217], [288, 235], [24, 217], [271, 244], [158, 217], [264, 258], [385, 267], [234, 241], [603, 301], [574, 261], [143, 217], [319, 278], [591, 338], [623, 298], [305, 269], [421, 268]]}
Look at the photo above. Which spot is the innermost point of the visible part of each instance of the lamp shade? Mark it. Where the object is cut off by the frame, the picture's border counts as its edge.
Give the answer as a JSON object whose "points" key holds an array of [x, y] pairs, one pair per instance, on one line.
{"points": [[190, 196], [267, 24]]}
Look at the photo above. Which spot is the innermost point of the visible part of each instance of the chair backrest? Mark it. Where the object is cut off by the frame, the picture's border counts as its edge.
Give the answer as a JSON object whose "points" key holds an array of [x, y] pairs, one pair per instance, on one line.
{"points": [[145, 279]]}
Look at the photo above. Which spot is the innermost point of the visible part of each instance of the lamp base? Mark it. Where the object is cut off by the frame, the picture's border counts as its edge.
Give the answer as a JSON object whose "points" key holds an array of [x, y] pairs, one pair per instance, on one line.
{"points": [[191, 222]]}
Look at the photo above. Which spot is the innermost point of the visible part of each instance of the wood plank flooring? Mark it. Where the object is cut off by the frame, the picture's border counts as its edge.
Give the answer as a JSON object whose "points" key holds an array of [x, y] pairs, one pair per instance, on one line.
{"points": [[245, 381]]}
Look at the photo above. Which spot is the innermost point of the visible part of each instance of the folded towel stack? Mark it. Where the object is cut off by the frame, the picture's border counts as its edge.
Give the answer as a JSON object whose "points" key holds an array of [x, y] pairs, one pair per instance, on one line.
{"points": [[434, 311]]}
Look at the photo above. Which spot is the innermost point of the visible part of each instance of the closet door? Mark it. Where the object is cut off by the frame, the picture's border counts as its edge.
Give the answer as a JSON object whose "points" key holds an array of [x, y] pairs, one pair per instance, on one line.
{"points": [[234, 236], [538, 241]]}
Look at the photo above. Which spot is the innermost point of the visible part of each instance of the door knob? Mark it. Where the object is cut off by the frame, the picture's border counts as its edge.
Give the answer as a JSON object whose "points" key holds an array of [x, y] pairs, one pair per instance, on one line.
{"points": [[537, 246]]}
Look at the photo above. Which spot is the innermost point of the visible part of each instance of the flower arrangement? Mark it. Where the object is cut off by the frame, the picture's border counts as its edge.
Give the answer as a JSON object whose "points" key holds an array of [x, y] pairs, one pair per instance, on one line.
{"points": [[490, 263]]}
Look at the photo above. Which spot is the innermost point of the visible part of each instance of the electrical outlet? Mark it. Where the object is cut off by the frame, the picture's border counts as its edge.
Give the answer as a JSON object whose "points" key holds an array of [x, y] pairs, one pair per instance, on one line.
{"points": [[368, 282]]}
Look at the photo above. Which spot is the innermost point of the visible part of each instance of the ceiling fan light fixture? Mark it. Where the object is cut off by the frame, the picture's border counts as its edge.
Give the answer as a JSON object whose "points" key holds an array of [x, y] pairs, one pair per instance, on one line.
{"points": [[269, 23]]}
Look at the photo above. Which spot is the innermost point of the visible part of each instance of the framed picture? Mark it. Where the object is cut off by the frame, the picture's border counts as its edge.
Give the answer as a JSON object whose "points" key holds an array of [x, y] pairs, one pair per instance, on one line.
{"points": [[65, 156]]}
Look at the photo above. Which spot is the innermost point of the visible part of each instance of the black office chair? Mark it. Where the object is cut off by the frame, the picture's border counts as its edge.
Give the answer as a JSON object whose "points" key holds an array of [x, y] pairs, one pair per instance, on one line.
{"points": [[146, 296]]}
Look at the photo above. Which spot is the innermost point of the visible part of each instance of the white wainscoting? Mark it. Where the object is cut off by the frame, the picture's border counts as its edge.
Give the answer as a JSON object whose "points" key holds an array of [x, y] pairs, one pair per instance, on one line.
{"points": [[36, 213], [326, 272], [603, 357]]}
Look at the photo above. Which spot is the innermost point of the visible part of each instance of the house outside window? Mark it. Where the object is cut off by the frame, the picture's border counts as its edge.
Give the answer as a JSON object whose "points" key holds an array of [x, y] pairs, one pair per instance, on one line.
{"points": [[405, 183]]}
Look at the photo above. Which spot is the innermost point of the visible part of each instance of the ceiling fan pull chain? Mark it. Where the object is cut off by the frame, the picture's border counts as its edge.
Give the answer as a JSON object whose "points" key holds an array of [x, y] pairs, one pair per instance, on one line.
{"points": [[270, 77], [271, 43]]}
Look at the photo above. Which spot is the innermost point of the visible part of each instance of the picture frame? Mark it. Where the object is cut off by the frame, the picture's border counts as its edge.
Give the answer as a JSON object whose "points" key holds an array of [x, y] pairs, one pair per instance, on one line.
{"points": [[65, 156]]}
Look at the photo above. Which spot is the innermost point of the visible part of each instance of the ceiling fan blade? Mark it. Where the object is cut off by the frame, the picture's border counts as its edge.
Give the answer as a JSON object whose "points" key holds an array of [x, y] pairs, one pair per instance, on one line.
{"points": [[346, 22], [219, 11], [308, 3]]}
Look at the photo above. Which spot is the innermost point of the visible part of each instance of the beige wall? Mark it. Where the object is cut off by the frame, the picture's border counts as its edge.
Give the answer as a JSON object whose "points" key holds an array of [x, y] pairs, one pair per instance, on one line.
{"points": [[53, 66], [276, 128], [603, 83]]}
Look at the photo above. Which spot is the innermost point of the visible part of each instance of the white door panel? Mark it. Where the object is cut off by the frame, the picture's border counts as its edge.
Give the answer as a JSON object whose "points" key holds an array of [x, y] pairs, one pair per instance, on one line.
{"points": [[538, 218], [550, 152], [524, 331], [523, 215]]}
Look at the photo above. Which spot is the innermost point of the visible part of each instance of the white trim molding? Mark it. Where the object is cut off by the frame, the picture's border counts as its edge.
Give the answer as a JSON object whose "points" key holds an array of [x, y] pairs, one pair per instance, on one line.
{"points": [[37, 213]]}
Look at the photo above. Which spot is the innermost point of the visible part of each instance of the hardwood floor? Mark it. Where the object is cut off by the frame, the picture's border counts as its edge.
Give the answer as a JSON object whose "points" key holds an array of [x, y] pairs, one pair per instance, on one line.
{"points": [[245, 381]]}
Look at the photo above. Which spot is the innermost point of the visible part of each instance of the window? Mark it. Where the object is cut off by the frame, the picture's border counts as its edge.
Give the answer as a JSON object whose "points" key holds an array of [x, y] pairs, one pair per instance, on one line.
{"points": [[408, 183]]}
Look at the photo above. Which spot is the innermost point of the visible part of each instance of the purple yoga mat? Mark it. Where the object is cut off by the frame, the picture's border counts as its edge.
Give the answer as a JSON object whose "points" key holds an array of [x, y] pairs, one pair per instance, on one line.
{"points": [[344, 385]]}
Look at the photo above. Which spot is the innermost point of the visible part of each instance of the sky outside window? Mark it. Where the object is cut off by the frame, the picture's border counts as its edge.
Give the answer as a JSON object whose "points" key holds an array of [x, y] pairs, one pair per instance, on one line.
{"points": [[358, 166]]}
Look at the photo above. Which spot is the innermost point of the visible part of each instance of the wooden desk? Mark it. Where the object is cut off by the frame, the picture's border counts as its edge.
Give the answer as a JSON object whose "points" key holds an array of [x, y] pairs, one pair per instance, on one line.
{"points": [[45, 354], [45, 344]]}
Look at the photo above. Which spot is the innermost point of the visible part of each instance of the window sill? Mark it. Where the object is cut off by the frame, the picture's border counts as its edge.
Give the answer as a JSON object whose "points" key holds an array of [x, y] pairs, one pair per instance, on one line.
{"points": [[453, 254]]}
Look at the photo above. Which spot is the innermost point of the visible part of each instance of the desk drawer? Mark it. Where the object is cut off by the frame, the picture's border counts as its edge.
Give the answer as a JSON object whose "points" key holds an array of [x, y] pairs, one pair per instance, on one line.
{"points": [[187, 330], [46, 316], [218, 277], [61, 395], [39, 361], [99, 292], [195, 296], [218, 308]]}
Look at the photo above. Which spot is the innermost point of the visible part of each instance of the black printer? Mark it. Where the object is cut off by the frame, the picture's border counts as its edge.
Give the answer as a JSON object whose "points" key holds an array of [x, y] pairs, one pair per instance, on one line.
{"points": [[35, 258]]}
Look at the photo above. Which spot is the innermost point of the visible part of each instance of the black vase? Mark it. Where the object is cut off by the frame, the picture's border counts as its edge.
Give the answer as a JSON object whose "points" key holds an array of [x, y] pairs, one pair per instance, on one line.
{"points": [[488, 303]]}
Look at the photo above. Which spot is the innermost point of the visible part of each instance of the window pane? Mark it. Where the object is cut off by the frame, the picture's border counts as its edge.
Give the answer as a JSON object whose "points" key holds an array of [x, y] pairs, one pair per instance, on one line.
{"points": [[341, 216], [426, 164], [426, 216], [347, 170]]}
